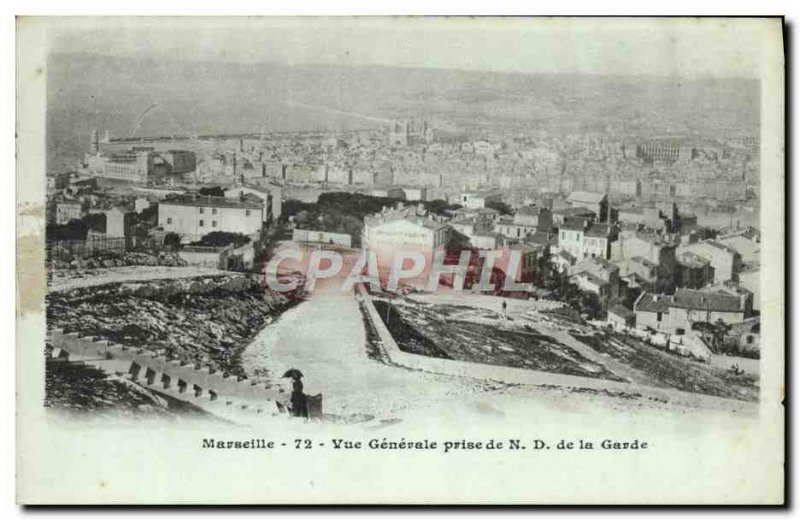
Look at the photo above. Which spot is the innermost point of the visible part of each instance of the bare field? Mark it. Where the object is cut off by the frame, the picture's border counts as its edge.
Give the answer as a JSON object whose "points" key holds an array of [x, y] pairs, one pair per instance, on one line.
{"points": [[438, 332], [668, 370], [473, 328]]}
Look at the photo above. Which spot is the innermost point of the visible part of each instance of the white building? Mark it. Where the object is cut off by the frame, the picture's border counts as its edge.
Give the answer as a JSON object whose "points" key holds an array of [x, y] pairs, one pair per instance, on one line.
{"points": [[535, 216], [141, 204], [528, 219], [477, 200], [726, 261], [745, 242], [426, 235], [510, 229], [597, 276], [364, 177], [596, 202], [321, 237], [68, 210], [470, 226], [486, 214], [404, 229], [583, 240], [677, 313], [193, 216], [135, 165], [486, 240], [118, 221], [415, 194]]}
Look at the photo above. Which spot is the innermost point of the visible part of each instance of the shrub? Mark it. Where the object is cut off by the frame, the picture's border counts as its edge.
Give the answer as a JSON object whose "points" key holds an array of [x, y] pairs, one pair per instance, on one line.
{"points": [[222, 239]]}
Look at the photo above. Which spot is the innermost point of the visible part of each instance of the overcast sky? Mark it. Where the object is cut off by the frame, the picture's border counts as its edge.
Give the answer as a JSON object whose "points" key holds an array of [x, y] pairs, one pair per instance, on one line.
{"points": [[666, 47]]}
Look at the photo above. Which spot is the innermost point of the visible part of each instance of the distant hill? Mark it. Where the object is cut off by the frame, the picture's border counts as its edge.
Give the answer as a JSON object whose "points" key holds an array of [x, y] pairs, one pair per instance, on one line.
{"points": [[93, 91]]}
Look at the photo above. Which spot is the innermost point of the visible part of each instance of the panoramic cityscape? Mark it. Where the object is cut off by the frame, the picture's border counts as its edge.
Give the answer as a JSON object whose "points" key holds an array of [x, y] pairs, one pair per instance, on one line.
{"points": [[359, 244]]}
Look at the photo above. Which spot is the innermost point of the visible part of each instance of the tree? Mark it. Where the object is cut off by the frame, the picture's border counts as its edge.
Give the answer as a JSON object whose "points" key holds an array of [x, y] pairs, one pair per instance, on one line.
{"points": [[552, 278], [75, 229], [500, 206], [292, 207], [215, 191], [172, 240], [95, 222], [439, 206], [222, 239], [590, 304]]}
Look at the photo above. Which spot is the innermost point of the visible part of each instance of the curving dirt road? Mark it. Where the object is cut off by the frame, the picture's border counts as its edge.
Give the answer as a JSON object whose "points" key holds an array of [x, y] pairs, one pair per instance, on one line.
{"points": [[325, 338]]}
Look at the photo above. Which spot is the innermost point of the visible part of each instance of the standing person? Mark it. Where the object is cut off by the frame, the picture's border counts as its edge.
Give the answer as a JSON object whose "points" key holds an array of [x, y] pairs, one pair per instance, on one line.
{"points": [[505, 306], [298, 398]]}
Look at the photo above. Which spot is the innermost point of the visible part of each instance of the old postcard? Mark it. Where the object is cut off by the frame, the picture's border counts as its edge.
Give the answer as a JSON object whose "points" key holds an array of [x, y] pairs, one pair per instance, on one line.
{"points": [[343, 260]]}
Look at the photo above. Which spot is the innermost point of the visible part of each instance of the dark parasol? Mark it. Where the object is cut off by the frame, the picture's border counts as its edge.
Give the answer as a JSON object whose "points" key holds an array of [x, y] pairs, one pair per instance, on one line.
{"points": [[293, 373]]}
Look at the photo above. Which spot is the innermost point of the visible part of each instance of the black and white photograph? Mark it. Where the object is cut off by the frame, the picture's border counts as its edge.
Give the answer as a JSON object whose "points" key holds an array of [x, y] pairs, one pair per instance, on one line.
{"points": [[431, 246]]}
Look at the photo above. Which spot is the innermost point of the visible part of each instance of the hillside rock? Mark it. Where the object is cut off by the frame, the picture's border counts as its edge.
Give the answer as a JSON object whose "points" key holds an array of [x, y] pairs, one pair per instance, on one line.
{"points": [[202, 320]]}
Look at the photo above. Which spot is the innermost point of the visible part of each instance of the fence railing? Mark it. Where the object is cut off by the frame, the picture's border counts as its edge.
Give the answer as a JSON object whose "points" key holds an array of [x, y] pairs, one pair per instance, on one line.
{"points": [[69, 249]]}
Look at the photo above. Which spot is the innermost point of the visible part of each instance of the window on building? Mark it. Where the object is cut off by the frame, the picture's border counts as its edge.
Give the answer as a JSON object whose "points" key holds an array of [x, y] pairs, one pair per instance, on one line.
{"points": [[247, 213], [202, 210], [563, 235], [658, 317], [213, 223], [202, 223], [169, 220], [749, 340], [213, 211]]}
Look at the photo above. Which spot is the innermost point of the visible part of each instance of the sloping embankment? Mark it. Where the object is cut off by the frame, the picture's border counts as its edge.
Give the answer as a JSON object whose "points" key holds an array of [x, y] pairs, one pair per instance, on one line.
{"points": [[204, 320]]}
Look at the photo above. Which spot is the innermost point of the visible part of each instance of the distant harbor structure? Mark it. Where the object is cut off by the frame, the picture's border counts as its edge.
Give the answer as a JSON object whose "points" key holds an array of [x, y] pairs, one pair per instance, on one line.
{"points": [[136, 164]]}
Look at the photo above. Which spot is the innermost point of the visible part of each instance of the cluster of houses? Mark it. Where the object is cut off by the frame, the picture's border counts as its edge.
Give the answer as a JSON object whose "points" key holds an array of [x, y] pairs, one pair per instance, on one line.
{"points": [[649, 268], [152, 212]]}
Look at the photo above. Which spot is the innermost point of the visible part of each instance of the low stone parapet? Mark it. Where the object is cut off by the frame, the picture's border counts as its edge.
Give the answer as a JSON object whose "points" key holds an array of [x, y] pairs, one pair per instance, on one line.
{"points": [[213, 391]]}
